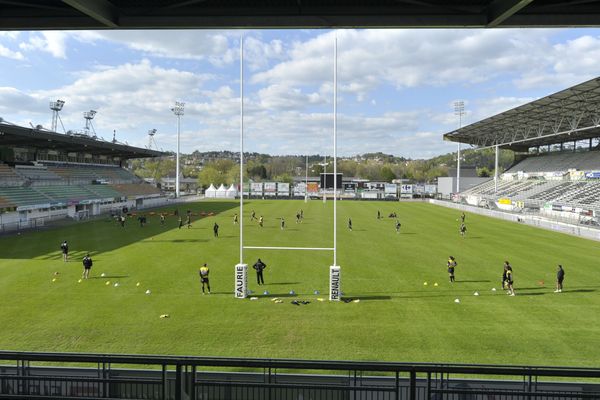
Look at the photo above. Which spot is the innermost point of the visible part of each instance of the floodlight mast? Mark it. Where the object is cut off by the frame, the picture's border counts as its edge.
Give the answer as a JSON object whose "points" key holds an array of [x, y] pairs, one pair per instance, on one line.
{"points": [[178, 111], [89, 116], [56, 106], [151, 141], [459, 109]]}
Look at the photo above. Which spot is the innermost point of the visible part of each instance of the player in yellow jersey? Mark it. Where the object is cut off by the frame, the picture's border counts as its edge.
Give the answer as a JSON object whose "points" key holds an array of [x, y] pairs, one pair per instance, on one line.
{"points": [[451, 265], [204, 271]]}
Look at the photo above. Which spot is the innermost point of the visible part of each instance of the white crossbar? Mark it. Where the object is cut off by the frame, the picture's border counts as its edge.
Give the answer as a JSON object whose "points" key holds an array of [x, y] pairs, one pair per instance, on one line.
{"points": [[288, 248]]}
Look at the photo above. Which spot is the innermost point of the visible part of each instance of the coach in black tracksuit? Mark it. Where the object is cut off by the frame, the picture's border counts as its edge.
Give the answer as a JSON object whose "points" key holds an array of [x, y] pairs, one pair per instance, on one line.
{"points": [[259, 266]]}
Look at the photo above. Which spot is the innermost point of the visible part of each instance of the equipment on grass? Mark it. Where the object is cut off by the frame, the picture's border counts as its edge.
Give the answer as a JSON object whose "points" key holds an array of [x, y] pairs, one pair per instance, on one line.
{"points": [[476, 294], [148, 291], [107, 283], [53, 279], [457, 300], [116, 284], [425, 283]]}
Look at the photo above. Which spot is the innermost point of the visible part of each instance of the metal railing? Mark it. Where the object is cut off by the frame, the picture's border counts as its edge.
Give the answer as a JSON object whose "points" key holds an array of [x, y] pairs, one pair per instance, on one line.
{"points": [[70, 376]]}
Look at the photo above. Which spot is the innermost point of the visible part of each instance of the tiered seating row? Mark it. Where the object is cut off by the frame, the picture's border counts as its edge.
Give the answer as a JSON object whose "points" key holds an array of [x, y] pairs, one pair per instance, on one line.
{"points": [[36, 173], [111, 174], [582, 161], [9, 177], [5, 203], [133, 189], [22, 196]]}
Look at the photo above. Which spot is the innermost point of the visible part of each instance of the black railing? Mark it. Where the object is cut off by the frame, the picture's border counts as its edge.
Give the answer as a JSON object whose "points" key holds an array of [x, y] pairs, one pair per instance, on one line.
{"points": [[107, 376]]}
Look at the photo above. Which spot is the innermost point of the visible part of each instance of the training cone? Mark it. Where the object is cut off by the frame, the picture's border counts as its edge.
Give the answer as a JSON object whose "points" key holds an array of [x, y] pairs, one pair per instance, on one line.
{"points": [[476, 294], [107, 283], [292, 292], [79, 281], [148, 291], [316, 292], [103, 274], [493, 289], [456, 300], [53, 279], [435, 284], [266, 292], [425, 283], [116, 284], [137, 284]]}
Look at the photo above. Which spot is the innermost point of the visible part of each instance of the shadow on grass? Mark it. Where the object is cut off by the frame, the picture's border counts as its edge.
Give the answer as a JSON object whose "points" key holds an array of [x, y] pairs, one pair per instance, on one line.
{"points": [[97, 236], [360, 297], [580, 291], [176, 241]]}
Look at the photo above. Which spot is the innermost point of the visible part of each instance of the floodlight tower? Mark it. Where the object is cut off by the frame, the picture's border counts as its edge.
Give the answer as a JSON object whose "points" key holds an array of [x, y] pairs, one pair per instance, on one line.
{"points": [[178, 111], [89, 116], [56, 106], [459, 109], [151, 141]]}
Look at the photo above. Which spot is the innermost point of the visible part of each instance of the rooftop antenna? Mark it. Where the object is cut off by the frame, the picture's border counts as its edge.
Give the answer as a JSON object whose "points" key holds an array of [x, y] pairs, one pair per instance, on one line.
{"points": [[56, 106], [151, 141], [114, 136], [89, 116]]}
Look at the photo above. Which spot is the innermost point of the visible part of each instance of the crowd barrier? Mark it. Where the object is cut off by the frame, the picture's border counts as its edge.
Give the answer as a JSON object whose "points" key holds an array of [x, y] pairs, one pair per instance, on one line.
{"points": [[57, 375]]}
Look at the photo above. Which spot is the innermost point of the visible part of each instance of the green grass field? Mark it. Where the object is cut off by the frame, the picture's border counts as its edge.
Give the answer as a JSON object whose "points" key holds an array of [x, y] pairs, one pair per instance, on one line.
{"points": [[397, 318]]}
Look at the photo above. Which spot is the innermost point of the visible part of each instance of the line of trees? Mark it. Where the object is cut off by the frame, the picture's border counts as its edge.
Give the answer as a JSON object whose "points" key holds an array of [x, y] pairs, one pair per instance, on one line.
{"points": [[372, 166]]}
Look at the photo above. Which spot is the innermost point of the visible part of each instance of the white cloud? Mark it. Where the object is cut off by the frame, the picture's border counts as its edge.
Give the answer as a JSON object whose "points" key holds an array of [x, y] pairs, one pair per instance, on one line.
{"points": [[129, 97], [408, 58], [6, 52], [566, 64], [53, 42]]}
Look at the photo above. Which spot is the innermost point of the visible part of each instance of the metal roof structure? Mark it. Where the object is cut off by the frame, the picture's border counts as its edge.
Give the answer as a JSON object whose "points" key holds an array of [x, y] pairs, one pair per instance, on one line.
{"points": [[169, 14], [568, 115], [19, 136]]}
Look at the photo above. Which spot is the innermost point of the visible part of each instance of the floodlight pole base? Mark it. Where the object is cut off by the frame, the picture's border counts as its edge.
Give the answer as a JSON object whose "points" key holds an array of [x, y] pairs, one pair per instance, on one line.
{"points": [[240, 289], [335, 283]]}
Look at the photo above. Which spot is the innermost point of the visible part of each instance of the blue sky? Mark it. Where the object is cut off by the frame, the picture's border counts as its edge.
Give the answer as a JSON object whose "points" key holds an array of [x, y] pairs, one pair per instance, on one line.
{"points": [[396, 88]]}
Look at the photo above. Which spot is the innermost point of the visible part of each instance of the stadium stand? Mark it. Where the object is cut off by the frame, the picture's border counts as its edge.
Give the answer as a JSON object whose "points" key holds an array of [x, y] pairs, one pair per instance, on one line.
{"points": [[555, 179], [44, 174]]}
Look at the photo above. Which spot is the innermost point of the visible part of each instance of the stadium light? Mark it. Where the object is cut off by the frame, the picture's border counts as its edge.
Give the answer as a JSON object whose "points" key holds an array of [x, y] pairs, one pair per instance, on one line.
{"points": [[178, 111], [89, 116], [56, 106], [459, 109]]}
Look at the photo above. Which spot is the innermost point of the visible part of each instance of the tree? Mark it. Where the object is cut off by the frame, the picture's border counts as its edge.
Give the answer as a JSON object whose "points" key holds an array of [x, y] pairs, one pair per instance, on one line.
{"points": [[210, 174], [387, 175]]}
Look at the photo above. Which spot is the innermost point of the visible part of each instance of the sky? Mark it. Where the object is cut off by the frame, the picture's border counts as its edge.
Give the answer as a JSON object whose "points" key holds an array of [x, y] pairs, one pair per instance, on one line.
{"points": [[395, 88]]}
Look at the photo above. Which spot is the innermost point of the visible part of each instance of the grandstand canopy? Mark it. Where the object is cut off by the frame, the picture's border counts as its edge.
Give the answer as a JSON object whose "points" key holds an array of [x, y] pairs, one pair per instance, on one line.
{"points": [[18, 136], [569, 115], [140, 14]]}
